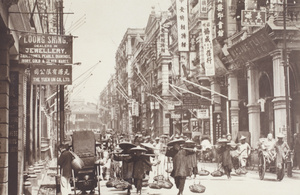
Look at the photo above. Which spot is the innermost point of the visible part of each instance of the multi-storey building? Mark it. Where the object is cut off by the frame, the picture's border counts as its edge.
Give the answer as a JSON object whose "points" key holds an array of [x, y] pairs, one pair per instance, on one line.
{"points": [[253, 88], [27, 112]]}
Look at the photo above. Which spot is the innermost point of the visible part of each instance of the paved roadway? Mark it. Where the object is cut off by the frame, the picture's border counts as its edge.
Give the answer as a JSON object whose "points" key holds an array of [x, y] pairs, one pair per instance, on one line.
{"points": [[248, 184]]}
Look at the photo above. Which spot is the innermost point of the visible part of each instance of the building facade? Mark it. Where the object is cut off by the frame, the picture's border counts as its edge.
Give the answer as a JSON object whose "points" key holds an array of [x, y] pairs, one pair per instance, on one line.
{"points": [[252, 90], [27, 112]]}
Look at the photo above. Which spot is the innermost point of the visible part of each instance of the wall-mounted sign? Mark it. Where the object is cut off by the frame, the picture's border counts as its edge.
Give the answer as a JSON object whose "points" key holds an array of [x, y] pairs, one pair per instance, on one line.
{"points": [[208, 48], [253, 18], [45, 49], [51, 75], [252, 48], [182, 25], [220, 21]]}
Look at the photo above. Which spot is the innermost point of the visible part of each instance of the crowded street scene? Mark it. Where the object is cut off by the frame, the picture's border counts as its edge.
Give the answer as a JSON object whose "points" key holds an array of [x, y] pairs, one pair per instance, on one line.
{"points": [[149, 97]]}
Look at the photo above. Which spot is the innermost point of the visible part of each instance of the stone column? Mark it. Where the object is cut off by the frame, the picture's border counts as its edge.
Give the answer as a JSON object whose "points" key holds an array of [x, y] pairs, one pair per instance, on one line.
{"points": [[234, 104], [253, 105], [6, 41], [280, 122]]}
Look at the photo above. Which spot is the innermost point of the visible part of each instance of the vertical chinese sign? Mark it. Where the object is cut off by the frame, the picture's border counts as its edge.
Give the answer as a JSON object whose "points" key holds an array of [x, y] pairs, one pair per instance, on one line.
{"points": [[163, 39], [220, 21], [182, 25], [208, 48]]}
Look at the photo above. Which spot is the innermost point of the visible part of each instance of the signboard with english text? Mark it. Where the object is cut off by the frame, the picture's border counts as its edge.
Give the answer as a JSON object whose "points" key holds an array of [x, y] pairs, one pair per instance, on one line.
{"points": [[45, 49], [51, 75]]}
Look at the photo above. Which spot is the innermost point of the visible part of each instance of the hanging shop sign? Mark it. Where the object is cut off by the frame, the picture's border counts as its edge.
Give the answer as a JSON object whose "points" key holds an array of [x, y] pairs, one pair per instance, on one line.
{"points": [[202, 113], [51, 75], [163, 39], [45, 49], [208, 48], [253, 18], [252, 48], [182, 25], [220, 21]]}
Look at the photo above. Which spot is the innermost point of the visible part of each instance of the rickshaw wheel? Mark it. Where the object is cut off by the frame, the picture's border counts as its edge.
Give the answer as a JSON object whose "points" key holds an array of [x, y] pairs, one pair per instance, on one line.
{"points": [[261, 166], [280, 172]]}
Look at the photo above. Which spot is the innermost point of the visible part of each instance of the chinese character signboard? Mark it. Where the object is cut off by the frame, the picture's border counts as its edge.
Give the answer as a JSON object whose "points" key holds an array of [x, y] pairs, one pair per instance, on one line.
{"points": [[220, 21], [208, 48], [163, 40], [45, 49], [253, 47], [182, 25], [51, 75], [253, 18]]}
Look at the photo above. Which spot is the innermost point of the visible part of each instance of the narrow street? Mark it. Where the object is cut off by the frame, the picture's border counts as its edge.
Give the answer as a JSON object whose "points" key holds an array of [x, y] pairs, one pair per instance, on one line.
{"points": [[248, 184]]}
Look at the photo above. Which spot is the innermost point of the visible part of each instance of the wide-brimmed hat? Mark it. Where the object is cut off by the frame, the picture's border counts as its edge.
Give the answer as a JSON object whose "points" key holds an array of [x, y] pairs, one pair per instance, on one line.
{"points": [[126, 145], [138, 148], [243, 137], [157, 138], [280, 135], [175, 141], [148, 146], [223, 140], [189, 143]]}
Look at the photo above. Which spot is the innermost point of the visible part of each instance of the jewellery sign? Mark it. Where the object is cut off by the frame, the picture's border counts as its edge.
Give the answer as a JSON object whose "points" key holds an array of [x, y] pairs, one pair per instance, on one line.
{"points": [[51, 75], [182, 25], [45, 49]]}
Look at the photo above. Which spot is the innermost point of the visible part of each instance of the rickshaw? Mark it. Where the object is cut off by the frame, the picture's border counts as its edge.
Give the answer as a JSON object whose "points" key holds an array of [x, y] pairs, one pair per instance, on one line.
{"points": [[265, 162], [84, 145]]}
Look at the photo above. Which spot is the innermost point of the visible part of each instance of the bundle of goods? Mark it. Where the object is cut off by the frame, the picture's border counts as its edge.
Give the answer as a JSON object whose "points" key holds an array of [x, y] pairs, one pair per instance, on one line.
{"points": [[112, 182], [167, 184], [197, 188], [122, 185], [217, 173], [154, 185], [158, 177], [109, 183], [203, 172]]}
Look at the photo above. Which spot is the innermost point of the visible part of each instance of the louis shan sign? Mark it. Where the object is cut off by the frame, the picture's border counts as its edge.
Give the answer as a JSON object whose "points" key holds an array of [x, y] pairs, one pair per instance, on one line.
{"points": [[51, 75], [45, 49]]}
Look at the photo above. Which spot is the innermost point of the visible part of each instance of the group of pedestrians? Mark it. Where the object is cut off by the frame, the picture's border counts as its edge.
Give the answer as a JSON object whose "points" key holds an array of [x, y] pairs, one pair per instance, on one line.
{"points": [[134, 161]]}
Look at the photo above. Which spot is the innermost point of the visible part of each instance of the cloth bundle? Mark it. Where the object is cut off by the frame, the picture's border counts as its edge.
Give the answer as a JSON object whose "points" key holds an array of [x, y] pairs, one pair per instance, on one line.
{"points": [[197, 188], [217, 173], [203, 172]]}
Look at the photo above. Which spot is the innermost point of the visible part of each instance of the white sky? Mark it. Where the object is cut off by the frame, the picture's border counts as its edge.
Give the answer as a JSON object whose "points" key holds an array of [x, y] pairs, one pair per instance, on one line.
{"points": [[100, 34]]}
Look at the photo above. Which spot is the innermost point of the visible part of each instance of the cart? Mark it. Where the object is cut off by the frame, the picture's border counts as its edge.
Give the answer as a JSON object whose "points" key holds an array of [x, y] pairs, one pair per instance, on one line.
{"points": [[265, 163], [87, 178]]}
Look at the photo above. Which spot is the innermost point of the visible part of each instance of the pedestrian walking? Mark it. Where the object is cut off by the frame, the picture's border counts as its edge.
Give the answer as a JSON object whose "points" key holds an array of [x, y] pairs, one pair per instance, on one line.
{"points": [[141, 165], [244, 150], [225, 162], [127, 166], [181, 167], [281, 147], [64, 161]]}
